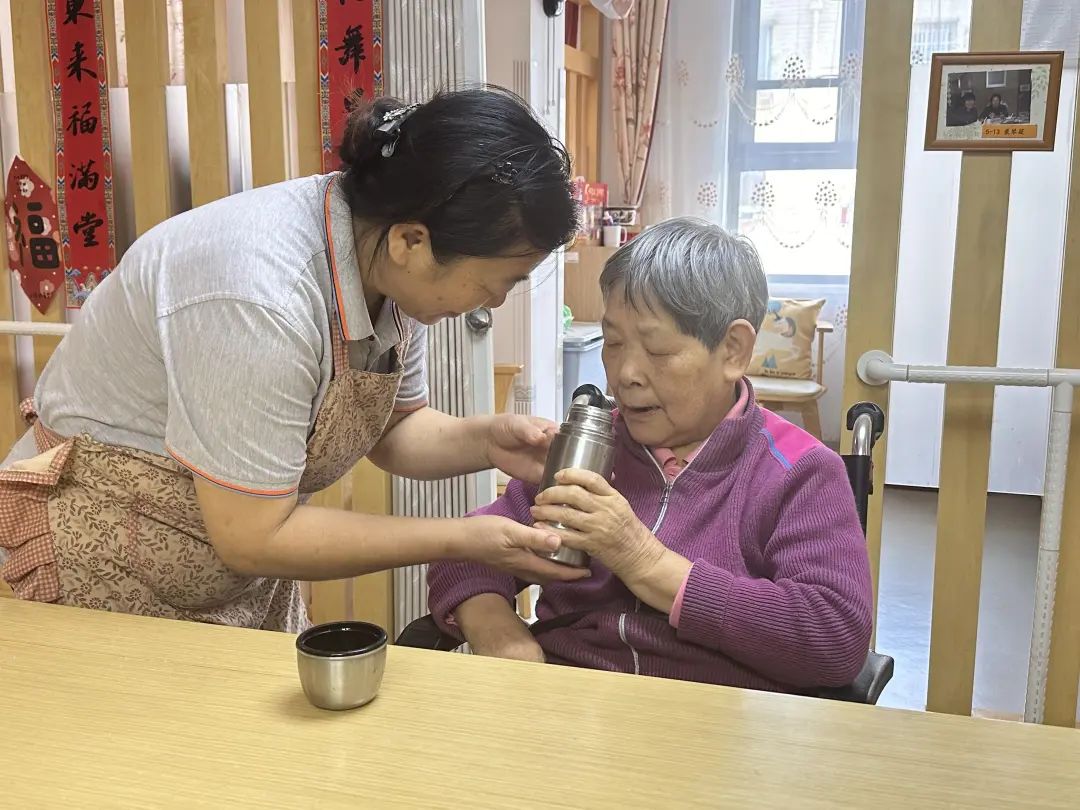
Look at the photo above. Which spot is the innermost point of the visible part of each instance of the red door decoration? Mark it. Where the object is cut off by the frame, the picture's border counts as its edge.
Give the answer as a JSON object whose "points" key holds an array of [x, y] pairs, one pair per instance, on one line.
{"points": [[84, 187], [33, 234], [350, 63]]}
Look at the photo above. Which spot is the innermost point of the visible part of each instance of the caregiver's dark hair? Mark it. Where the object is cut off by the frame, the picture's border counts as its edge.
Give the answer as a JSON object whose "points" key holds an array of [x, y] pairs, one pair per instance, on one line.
{"points": [[474, 166]]}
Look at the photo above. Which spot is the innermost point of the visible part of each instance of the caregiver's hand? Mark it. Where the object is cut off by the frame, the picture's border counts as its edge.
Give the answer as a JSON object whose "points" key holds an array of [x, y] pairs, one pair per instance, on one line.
{"points": [[507, 545], [518, 445], [598, 521]]}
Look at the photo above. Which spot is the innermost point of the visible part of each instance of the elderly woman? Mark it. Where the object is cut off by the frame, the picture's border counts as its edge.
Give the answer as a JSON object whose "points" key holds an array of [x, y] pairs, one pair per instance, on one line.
{"points": [[728, 549]]}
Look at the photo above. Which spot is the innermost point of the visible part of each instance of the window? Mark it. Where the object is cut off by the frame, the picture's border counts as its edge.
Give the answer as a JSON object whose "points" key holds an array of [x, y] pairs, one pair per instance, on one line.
{"points": [[792, 136], [935, 37], [765, 49]]}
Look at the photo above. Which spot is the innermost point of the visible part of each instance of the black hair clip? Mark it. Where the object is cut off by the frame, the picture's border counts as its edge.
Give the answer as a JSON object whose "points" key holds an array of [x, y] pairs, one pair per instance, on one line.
{"points": [[390, 128], [505, 173]]}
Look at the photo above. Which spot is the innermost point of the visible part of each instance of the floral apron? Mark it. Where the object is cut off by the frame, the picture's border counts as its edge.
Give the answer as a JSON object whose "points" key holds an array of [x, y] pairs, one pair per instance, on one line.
{"points": [[112, 528]]}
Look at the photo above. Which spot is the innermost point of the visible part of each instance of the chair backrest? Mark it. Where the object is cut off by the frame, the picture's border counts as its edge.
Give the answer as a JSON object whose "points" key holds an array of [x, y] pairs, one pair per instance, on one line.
{"points": [[505, 373]]}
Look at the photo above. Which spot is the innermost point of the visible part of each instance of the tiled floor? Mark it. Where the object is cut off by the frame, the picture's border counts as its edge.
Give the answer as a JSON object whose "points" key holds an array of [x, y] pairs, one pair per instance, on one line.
{"points": [[1005, 609]]}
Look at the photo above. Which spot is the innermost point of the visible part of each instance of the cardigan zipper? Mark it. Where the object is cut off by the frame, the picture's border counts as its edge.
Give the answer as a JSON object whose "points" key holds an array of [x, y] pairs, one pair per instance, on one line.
{"points": [[665, 497]]}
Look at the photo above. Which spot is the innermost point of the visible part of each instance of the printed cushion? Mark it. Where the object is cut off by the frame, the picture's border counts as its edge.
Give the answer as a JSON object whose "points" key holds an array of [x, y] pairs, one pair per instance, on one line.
{"points": [[785, 339]]}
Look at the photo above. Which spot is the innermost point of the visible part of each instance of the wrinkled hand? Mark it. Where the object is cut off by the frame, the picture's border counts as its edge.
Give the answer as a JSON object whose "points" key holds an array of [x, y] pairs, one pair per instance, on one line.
{"points": [[598, 521], [507, 545], [518, 445]]}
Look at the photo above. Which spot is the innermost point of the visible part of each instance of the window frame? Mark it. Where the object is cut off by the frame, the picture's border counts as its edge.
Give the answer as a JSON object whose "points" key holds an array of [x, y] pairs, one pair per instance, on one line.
{"points": [[743, 154], [923, 43]]}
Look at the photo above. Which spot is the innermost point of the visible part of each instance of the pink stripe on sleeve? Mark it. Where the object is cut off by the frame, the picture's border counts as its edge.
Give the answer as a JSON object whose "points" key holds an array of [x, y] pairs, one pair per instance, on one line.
{"points": [[676, 608]]}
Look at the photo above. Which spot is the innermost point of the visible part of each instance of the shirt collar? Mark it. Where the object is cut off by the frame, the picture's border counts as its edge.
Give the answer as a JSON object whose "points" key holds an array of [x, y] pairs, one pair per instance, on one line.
{"points": [[345, 271]]}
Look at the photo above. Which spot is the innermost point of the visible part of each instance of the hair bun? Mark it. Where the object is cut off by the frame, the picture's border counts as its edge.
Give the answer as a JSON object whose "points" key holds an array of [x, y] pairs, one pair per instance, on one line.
{"points": [[361, 143], [474, 166]]}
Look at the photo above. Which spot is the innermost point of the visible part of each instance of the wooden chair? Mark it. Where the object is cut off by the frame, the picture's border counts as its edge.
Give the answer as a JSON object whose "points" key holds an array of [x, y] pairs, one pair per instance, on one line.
{"points": [[505, 374], [802, 396]]}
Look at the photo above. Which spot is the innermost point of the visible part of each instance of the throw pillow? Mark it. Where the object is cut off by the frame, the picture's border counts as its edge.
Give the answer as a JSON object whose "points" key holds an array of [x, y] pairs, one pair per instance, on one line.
{"points": [[786, 339]]}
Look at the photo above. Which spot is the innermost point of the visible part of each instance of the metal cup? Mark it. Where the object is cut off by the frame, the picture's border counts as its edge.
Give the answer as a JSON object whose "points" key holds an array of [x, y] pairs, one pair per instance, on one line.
{"points": [[341, 663]]}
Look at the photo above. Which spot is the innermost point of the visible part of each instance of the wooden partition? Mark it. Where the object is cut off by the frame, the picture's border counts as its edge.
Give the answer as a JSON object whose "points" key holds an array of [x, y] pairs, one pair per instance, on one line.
{"points": [[262, 28], [148, 74], [875, 245], [205, 64], [583, 92], [978, 272], [34, 102], [9, 393], [979, 256]]}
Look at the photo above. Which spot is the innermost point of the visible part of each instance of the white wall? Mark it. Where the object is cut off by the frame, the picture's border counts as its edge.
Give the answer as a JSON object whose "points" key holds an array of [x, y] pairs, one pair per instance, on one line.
{"points": [[525, 54]]}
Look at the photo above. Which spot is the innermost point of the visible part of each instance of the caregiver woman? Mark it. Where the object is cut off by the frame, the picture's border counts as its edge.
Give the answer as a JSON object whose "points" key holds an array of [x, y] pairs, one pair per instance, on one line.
{"points": [[250, 352]]}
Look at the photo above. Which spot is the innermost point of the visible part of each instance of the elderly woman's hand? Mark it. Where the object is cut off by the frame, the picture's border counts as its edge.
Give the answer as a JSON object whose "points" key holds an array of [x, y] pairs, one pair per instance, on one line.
{"points": [[598, 521]]}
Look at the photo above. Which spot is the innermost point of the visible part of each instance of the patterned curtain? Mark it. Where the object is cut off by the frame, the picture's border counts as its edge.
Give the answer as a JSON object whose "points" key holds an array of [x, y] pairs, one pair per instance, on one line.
{"points": [[637, 50]]}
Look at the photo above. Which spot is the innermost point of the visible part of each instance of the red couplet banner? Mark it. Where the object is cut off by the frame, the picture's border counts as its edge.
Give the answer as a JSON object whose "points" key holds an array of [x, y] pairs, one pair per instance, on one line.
{"points": [[350, 65], [84, 188]]}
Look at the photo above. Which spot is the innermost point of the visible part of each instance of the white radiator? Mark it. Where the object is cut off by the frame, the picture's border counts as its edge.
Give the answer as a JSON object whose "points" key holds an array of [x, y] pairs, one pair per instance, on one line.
{"points": [[450, 379], [433, 45], [424, 48]]}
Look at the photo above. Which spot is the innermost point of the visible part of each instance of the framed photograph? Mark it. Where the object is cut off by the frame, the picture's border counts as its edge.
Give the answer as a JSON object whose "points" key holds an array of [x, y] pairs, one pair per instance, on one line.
{"points": [[994, 102]]}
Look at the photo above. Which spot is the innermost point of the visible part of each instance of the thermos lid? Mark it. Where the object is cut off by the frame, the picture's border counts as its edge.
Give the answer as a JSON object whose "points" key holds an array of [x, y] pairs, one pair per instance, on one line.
{"points": [[590, 410], [589, 394]]}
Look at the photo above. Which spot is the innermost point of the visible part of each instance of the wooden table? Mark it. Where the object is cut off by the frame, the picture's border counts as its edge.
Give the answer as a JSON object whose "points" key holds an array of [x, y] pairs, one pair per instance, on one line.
{"points": [[101, 709]]}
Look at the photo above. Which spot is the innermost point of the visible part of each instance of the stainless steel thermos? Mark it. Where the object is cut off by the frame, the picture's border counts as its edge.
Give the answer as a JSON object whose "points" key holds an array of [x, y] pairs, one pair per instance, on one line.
{"points": [[585, 441]]}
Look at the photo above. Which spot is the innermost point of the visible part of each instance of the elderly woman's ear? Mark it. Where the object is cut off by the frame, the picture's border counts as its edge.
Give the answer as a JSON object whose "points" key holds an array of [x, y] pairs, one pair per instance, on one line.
{"points": [[737, 348]]}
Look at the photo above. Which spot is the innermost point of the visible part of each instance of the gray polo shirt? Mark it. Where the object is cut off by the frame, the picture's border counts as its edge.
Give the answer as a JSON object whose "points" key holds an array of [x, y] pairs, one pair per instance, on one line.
{"points": [[211, 341]]}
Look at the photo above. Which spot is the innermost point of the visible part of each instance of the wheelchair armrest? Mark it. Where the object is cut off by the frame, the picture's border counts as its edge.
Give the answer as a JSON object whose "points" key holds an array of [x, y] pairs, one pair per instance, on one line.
{"points": [[425, 634], [867, 687]]}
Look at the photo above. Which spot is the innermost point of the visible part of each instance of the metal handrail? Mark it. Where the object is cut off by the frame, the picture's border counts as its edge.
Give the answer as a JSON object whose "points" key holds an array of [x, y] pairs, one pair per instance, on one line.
{"points": [[34, 328], [878, 368]]}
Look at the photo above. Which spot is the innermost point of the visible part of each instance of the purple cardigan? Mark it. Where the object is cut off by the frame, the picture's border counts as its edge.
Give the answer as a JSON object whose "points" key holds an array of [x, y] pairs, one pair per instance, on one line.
{"points": [[779, 595]]}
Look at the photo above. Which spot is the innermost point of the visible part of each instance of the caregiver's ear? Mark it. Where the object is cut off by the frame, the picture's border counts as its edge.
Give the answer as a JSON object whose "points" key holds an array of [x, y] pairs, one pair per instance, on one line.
{"points": [[738, 344], [405, 239]]}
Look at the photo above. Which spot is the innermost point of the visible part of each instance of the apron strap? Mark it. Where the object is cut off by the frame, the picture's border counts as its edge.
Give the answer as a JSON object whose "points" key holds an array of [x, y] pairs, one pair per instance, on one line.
{"points": [[338, 346]]}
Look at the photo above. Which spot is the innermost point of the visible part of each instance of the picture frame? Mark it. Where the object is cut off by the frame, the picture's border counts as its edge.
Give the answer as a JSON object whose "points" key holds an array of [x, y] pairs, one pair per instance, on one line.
{"points": [[994, 102]]}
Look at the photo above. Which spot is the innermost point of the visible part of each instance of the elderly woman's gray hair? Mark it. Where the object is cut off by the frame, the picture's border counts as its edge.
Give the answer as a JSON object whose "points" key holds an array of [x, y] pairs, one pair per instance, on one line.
{"points": [[701, 275]]}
